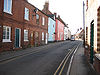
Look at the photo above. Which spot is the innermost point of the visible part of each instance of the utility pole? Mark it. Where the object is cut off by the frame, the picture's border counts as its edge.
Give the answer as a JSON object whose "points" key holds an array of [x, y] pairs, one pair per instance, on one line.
{"points": [[83, 24]]}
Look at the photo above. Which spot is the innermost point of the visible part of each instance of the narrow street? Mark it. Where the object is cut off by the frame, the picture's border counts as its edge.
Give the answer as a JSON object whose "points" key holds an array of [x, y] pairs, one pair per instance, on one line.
{"points": [[46, 37], [43, 62]]}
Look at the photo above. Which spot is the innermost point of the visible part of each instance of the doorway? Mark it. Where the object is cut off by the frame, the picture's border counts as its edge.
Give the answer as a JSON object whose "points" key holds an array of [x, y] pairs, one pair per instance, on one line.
{"points": [[32, 39], [91, 41], [17, 37]]}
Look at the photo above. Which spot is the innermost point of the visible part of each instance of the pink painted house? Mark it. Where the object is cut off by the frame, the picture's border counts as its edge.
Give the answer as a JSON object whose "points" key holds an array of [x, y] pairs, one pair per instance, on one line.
{"points": [[59, 30]]}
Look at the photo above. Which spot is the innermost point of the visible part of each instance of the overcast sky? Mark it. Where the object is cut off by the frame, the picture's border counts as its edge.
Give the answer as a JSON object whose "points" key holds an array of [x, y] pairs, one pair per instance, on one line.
{"points": [[71, 11]]}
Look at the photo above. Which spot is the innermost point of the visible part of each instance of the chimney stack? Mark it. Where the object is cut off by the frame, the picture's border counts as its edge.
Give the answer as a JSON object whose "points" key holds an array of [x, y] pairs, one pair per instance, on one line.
{"points": [[58, 16], [46, 7], [55, 15]]}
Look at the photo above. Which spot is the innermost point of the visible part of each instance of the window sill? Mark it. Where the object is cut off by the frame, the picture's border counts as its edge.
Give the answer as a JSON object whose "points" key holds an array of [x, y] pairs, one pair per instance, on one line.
{"points": [[26, 40], [7, 41], [98, 56], [26, 19], [8, 12]]}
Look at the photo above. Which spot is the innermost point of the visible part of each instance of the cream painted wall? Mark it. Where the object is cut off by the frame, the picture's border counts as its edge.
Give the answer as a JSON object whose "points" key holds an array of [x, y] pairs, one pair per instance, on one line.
{"points": [[91, 14]]}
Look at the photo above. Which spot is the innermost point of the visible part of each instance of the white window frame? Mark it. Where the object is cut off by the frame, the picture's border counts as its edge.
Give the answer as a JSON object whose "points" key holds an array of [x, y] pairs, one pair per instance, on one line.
{"points": [[43, 21], [26, 15], [7, 40], [25, 35], [37, 19], [42, 36], [6, 10], [46, 40], [37, 16]]}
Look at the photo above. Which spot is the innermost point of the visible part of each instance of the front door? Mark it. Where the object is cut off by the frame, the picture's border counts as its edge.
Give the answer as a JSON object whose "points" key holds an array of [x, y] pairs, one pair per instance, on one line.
{"points": [[17, 38], [91, 41], [32, 38]]}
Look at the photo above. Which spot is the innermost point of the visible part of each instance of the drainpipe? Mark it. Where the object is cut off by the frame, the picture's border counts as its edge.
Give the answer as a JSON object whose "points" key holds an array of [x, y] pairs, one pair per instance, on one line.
{"points": [[92, 42], [83, 25]]}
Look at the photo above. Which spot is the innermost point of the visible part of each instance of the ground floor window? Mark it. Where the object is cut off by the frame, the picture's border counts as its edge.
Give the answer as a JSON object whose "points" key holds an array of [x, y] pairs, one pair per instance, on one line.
{"points": [[6, 33], [42, 35], [46, 40], [25, 35]]}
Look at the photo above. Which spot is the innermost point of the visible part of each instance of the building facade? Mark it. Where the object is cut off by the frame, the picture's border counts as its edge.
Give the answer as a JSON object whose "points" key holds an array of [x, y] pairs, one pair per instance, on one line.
{"points": [[65, 32], [69, 35], [51, 22], [21, 25], [51, 30], [92, 32], [59, 30]]}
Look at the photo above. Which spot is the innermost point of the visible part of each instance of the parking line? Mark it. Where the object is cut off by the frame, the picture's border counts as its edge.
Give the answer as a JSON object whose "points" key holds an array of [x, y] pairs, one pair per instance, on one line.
{"points": [[63, 61]]}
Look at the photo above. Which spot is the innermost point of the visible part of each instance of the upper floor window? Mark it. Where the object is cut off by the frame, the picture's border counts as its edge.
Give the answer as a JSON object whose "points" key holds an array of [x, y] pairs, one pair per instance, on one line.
{"points": [[26, 16], [8, 6], [43, 21], [6, 33], [25, 35], [37, 18]]}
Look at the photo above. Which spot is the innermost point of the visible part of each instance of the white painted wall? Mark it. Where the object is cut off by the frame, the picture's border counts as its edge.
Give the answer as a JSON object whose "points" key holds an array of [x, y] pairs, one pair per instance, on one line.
{"points": [[91, 14]]}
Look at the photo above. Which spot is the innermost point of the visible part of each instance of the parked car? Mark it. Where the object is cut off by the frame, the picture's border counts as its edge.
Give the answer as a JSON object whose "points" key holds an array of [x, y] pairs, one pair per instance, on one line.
{"points": [[72, 38]]}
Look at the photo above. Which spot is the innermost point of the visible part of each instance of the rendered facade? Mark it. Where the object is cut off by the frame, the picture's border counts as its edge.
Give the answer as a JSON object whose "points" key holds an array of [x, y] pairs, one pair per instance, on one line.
{"points": [[92, 33], [59, 30], [51, 30]]}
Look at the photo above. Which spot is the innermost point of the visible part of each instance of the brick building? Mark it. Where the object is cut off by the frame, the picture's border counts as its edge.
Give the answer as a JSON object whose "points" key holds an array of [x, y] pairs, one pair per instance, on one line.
{"points": [[51, 22], [55, 26], [21, 25]]}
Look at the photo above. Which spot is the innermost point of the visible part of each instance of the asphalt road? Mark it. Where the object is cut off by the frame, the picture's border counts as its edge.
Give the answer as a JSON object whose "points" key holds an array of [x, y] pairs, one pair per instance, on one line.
{"points": [[43, 62]]}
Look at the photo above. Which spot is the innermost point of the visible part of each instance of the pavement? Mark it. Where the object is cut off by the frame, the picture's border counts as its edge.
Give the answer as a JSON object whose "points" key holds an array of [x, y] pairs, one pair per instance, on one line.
{"points": [[13, 54], [80, 66]]}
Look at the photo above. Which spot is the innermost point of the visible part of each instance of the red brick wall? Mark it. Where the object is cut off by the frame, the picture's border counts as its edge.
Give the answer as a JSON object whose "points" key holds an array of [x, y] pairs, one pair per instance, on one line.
{"points": [[16, 20], [97, 65], [98, 29]]}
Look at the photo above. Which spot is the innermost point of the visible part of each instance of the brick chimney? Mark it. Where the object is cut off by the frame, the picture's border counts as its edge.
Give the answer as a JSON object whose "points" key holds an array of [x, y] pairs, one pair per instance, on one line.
{"points": [[46, 7], [55, 15], [59, 16]]}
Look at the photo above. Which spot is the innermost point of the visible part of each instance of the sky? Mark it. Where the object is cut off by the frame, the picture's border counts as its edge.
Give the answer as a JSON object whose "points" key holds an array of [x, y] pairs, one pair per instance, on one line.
{"points": [[71, 11]]}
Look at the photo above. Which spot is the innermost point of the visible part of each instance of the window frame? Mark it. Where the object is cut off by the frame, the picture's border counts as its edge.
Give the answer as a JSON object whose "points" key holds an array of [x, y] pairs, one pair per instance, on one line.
{"points": [[43, 21], [7, 8], [26, 14], [37, 18], [25, 35], [42, 36], [7, 40]]}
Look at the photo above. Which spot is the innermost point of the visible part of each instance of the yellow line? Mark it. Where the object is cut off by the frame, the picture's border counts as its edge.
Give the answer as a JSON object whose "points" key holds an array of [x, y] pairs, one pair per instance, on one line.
{"points": [[62, 61], [65, 62], [60, 64]]}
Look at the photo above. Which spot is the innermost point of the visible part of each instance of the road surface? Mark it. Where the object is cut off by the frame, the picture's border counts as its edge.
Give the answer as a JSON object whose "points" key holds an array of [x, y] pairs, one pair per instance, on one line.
{"points": [[43, 62]]}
